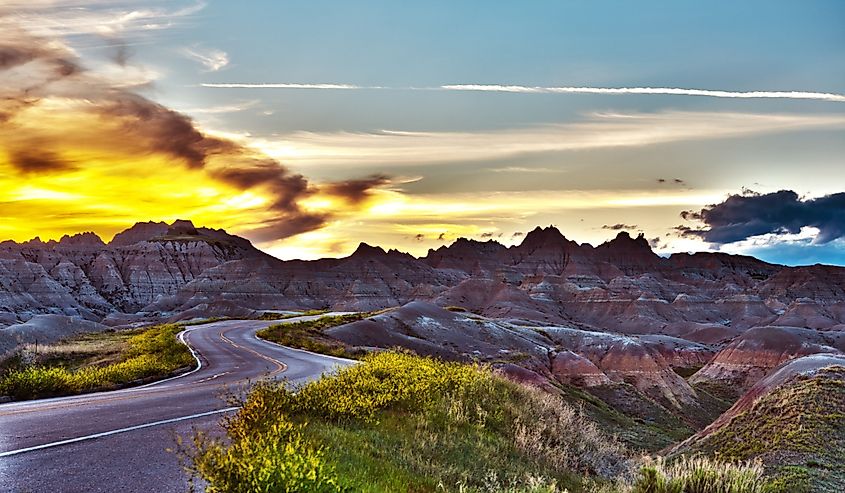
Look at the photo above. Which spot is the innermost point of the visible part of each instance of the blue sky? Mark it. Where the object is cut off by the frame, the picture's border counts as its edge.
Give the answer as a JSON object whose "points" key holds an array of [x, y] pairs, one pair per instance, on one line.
{"points": [[470, 162]]}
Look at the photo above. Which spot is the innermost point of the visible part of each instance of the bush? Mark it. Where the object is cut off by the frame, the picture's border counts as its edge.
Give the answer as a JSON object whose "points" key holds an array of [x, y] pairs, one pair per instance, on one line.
{"points": [[700, 475], [272, 459]]}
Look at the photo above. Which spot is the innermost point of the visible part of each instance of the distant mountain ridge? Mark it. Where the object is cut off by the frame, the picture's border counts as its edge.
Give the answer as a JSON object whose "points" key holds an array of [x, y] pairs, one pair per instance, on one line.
{"points": [[156, 271], [162, 268]]}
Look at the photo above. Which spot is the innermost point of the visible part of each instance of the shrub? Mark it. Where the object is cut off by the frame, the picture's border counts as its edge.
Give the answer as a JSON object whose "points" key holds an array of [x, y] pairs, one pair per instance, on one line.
{"points": [[276, 459], [700, 475]]}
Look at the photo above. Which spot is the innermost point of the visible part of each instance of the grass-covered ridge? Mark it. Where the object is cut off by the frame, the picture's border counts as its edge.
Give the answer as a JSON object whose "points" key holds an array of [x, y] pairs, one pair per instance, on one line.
{"points": [[398, 422], [797, 431], [95, 362], [309, 334]]}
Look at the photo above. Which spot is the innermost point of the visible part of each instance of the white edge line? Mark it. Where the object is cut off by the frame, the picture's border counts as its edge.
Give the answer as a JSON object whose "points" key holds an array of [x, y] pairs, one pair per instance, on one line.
{"points": [[181, 337], [115, 432]]}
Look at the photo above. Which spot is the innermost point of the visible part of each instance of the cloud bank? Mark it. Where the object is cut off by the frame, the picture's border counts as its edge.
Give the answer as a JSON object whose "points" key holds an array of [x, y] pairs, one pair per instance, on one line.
{"points": [[743, 216]]}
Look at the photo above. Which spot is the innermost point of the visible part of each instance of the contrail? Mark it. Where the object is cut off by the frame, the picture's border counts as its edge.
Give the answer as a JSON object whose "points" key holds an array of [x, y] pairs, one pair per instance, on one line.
{"points": [[675, 91], [672, 91]]}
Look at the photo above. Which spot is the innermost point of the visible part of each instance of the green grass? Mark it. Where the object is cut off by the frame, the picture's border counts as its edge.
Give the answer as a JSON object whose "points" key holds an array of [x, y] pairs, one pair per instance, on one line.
{"points": [[398, 422], [98, 362], [310, 334]]}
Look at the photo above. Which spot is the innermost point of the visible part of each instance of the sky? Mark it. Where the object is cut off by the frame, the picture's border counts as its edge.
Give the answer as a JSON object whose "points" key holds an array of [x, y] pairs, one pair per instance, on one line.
{"points": [[309, 127]]}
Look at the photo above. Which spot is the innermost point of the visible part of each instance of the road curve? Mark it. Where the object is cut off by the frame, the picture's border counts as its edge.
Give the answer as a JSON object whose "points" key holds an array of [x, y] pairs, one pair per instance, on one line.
{"points": [[122, 440]]}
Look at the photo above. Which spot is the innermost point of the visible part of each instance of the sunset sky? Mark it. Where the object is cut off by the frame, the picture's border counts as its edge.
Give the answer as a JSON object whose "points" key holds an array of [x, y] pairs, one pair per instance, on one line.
{"points": [[309, 127]]}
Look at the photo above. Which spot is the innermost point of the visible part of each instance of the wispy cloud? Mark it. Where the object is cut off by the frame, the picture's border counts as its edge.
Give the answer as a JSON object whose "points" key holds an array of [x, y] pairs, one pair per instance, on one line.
{"points": [[212, 59], [671, 91], [223, 108], [397, 148], [238, 85], [61, 18]]}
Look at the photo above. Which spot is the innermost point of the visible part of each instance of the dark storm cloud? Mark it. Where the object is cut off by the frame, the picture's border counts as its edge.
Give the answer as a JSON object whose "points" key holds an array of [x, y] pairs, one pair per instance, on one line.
{"points": [[287, 224], [356, 191], [742, 216], [619, 226], [37, 162]]}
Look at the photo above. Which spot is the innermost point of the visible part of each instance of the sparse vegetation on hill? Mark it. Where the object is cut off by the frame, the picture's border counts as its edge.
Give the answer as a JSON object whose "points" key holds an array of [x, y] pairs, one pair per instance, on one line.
{"points": [[399, 422], [94, 362], [308, 334], [797, 431], [263, 316]]}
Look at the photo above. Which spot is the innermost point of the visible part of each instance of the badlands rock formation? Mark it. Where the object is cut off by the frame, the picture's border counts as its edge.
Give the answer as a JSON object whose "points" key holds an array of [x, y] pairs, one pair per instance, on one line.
{"points": [[79, 279], [573, 313]]}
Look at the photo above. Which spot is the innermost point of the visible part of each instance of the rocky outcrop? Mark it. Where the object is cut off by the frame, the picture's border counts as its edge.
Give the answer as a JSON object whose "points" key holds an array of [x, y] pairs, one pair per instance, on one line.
{"points": [[756, 352], [81, 276]]}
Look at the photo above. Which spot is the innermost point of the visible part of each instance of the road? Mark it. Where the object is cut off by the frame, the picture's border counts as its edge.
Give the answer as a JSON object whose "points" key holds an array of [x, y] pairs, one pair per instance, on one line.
{"points": [[123, 440]]}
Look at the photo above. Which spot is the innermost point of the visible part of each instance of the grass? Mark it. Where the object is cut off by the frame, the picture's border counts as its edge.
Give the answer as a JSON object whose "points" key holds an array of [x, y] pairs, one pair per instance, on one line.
{"points": [[399, 422], [95, 362], [310, 334], [701, 475]]}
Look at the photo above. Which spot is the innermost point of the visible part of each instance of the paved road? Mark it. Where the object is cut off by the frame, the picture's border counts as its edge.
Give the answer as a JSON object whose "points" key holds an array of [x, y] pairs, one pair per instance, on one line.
{"points": [[115, 441]]}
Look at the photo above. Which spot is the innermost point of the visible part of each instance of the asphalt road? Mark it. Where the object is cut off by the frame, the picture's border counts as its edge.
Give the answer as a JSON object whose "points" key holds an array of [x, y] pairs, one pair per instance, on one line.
{"points": [[123, 440]]}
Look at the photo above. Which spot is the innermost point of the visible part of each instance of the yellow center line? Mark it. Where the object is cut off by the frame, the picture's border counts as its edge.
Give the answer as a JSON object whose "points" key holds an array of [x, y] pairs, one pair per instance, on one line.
{"points": [[280, 367]]}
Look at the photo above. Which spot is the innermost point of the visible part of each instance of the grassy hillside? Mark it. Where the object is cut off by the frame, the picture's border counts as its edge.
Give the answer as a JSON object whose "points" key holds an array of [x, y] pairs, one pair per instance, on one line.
{"points": [[309, 334], [797, 431], [398, 422], [94, 362]]}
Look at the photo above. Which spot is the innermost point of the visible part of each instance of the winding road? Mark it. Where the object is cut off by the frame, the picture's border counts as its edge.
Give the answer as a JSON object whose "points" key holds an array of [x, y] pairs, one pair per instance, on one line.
{"points": [[123, 440]]}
